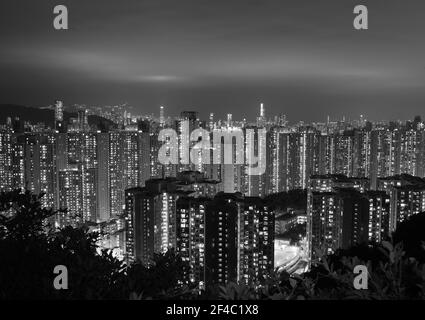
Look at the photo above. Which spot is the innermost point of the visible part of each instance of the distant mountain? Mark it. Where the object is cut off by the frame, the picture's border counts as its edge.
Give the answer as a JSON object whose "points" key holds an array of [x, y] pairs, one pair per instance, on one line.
{"points": [[34, 115]]}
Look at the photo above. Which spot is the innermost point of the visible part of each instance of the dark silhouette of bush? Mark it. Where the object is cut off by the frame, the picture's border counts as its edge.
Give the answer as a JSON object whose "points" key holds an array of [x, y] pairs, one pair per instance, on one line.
{"points": [[164, 278], [295, 234], [411, 233], [296, 199], [30, 249]]}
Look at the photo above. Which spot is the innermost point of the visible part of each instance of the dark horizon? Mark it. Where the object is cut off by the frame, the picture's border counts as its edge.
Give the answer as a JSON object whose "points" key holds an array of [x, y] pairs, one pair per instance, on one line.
{"points": [[299, 58]]}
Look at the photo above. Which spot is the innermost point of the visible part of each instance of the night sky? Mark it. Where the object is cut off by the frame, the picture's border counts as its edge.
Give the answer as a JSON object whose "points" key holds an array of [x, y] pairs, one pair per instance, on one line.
{"points": [[302, 58]]}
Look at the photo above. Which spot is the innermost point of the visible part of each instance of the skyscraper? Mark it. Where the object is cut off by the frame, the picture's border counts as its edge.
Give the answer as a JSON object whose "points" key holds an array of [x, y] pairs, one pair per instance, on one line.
{"points": [[161, 116], [337, 214], [116, 170], [255, 185], [256, 240], [221, 240], [407, 197], [228, 151], [239, 239], [83, 122], [261, 120], [190, 236], [211, 121], [6, 153], [151, 220], [103, 195], [70, 196], [59, 124]]}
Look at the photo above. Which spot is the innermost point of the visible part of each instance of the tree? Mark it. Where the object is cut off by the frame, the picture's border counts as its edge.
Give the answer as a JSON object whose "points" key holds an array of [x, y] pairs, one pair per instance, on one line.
{"points": [[30, 249], [296, 233], [411, 233], [293, 198]]}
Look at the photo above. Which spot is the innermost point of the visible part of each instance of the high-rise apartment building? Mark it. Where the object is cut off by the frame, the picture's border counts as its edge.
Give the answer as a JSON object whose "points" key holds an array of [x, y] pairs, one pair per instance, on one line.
{"points": [[239, 239]]}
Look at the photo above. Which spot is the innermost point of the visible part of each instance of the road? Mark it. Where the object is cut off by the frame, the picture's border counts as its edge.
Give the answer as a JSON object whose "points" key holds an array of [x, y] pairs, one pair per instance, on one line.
{"points": [[289, 258]]}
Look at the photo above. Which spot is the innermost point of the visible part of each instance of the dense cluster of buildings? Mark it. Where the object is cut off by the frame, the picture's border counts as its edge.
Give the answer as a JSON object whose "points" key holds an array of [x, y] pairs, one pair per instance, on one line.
{"points": [[343, 212], [222, 236], [214, 214]]}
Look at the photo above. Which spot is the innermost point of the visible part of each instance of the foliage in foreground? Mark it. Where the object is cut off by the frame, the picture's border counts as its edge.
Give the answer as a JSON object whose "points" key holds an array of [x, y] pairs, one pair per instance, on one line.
{"points": [[395, 277], [29, 254]]}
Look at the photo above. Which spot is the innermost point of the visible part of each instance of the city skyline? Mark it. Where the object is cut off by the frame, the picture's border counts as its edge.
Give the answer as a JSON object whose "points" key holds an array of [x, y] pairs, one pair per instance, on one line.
{"points": [[161, 115], [200, 149], [298, 58], [148, 188]]}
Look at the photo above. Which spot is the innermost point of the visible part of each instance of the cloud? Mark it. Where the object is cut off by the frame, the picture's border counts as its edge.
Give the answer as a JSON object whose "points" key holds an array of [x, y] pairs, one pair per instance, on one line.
{"points": [[159, 78], [203, 52]]}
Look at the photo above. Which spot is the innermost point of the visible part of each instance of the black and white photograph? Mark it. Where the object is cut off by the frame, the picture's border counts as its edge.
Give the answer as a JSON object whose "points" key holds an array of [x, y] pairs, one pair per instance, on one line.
{"points": [[212, 154]]}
